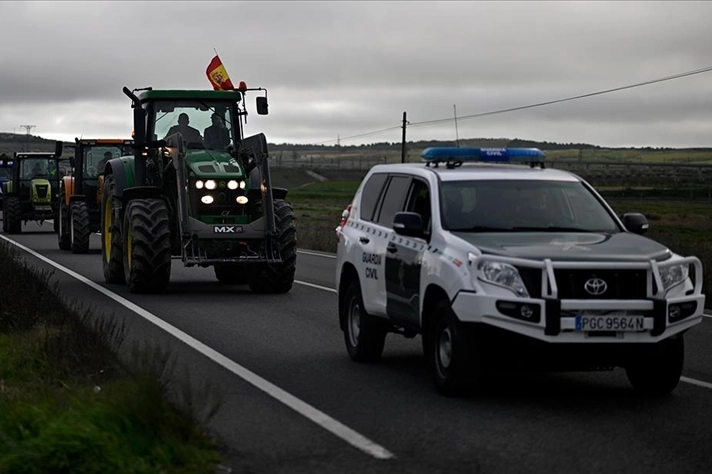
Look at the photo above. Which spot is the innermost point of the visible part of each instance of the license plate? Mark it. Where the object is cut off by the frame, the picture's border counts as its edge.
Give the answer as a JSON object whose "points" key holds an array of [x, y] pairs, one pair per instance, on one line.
{"points": [[610, 323]]}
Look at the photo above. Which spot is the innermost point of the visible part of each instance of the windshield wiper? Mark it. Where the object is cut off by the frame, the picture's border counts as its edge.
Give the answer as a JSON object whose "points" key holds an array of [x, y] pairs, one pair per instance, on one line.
{"points": [[551, 228], [482, 228]]}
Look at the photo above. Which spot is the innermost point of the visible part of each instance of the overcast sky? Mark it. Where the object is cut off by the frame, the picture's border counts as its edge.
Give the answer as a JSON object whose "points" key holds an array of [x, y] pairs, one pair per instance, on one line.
{"points": [[341, 69]]}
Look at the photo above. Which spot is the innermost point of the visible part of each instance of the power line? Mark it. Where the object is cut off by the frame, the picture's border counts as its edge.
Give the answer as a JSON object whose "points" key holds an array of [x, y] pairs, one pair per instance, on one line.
{"points": [[530, 106]]}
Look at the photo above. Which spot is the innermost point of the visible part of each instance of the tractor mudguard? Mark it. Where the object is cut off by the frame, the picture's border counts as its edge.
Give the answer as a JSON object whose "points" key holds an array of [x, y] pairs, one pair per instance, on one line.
{"points": [[68, 184], [123, 172], [77, 198], [142, 192]]}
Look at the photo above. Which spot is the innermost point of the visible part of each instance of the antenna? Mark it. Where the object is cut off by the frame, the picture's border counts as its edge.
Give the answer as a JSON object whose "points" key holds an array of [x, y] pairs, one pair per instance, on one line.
{"points": [[457, 137]]}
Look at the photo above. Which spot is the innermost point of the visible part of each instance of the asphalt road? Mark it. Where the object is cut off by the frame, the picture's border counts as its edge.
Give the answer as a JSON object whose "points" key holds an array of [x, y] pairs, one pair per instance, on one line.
{"points": [[291, 401]]}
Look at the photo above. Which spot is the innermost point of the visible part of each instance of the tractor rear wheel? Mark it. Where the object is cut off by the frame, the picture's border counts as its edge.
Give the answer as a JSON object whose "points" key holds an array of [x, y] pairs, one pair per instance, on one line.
{"points": [[13, 215], [63, 236], [80, 227], [147, 246], [232, 274], [111, 245], [279, 277]]}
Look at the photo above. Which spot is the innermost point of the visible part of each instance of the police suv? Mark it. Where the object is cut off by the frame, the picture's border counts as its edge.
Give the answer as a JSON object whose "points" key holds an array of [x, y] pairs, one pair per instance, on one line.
{"points": [[497, 261]]}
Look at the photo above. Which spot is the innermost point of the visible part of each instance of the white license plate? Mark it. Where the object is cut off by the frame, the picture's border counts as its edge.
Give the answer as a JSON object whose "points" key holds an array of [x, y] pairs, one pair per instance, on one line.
{"points": [[610, 323]]}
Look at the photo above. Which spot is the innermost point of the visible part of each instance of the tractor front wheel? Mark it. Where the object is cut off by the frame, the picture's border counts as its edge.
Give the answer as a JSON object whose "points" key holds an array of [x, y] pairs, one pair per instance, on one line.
{"points": [[111, 245], [279, 277], [147, 246], [80, 227], [13, 215]]}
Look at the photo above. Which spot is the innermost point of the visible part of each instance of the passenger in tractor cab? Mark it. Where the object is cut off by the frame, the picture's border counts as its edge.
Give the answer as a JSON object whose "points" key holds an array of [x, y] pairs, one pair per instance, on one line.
{"points": [[102, 163], [216, 135], [190, 134]]}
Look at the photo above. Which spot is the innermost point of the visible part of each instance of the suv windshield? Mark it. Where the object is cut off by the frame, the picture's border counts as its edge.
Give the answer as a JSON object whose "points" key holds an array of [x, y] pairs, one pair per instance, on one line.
{"points": [[522, 205], [202, 124]]}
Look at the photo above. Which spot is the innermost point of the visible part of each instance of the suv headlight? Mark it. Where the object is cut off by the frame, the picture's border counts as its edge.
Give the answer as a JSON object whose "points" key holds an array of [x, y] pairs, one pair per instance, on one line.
{"points": [[674, 274], [504, 275]]}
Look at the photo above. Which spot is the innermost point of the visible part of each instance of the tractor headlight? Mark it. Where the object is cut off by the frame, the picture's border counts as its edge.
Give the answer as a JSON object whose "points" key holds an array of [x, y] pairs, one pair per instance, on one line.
{"points": [[199, 184], [207, 199], [673, 275], [232, 184], [211, 184], [241, 199], [242, 185], [504, 275]]}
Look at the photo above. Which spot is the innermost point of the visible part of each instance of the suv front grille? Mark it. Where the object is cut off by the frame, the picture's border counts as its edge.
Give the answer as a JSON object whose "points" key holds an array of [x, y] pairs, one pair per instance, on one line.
{"points": [[619, 284], [601, 284]]}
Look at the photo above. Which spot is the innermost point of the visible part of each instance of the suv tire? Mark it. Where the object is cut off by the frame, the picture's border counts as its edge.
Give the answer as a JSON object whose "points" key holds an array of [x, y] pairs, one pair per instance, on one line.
{"points": [[364, 337], [658, 371]]}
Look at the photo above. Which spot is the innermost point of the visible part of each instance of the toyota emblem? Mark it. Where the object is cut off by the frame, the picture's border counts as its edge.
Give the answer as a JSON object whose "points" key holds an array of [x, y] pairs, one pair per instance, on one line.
{"points": [[595, 286]]}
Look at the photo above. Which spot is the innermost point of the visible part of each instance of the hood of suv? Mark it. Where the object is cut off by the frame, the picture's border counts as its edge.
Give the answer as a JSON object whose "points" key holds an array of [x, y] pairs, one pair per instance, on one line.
{"points": [[563, 246]]}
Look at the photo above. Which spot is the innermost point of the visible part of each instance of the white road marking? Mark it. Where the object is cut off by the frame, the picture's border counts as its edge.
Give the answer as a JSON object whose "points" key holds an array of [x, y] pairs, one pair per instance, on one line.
{"points": [[699, 383], [316, 254], [319, 287], [320, 418]]}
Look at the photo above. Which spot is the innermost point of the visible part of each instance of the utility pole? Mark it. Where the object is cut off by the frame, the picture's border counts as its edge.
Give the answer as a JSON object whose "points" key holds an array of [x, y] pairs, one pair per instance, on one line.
{"points": [[457, 136], [28, 135], [403, 141]]}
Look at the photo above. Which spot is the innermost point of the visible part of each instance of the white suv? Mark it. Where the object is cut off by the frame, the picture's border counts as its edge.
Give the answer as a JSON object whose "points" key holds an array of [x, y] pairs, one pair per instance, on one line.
{"points": [[501, 264]]}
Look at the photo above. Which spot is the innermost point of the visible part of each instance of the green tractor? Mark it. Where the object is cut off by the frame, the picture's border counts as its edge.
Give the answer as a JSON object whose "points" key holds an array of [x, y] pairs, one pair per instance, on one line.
{"points": [[31, 193], [80, 193], [195, 189]]}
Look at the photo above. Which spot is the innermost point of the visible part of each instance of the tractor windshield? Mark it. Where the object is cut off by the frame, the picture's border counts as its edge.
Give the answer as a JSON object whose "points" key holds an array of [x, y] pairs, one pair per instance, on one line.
{"points": [[95, 158], [203, 124], [38, 168]]}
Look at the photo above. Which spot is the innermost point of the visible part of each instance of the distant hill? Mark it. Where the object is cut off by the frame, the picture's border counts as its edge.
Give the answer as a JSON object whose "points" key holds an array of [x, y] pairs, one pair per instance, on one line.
{"points": [[15, 142]]}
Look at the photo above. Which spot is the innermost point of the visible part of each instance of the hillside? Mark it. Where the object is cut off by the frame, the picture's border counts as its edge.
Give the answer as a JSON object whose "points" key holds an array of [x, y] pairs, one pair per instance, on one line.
{"points": [[15, 142]]}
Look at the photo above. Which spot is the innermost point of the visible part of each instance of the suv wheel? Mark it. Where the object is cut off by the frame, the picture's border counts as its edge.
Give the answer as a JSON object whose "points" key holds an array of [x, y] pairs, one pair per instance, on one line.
{"points": [[364, 337], [454, 353], [658, 371]]}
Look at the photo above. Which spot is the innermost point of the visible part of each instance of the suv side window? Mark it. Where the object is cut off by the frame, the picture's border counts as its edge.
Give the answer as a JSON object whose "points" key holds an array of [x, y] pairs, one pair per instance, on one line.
{"points": [[370, 195], [419, 202], [393, 200]]}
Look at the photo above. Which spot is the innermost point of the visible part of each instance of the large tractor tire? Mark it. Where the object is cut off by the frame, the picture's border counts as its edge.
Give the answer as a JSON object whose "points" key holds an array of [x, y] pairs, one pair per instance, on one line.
{"points": [[13, 215], [279, 277], [63, 236], [79, 227], [111, 245], [147, 246], [232, 274], [4, 215]]}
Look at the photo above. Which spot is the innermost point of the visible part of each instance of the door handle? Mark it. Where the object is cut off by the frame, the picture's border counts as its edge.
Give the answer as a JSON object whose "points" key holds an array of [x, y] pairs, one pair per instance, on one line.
{"points": [[364, 240], [392, 248]]}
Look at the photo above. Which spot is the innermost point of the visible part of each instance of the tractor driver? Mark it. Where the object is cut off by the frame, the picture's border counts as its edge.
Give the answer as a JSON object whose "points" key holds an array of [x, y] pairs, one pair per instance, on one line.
{"points": [[102, 163], [189, 133], [216, 135]]}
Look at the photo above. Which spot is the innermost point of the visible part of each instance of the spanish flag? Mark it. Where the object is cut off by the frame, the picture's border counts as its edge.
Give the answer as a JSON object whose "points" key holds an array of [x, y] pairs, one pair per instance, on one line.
{"points": [[217, 75]]}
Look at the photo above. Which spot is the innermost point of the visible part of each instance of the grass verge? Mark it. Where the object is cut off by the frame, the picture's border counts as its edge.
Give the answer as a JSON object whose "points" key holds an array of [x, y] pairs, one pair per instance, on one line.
{"points": [[69, 405]]}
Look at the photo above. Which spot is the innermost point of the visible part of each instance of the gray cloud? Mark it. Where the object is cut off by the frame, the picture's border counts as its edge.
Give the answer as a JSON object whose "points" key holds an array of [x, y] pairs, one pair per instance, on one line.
{"points": [[347, 68]]}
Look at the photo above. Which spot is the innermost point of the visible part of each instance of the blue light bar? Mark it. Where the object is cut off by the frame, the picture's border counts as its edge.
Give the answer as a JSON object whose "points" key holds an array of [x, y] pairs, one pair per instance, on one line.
{"points": [[490, 155]]}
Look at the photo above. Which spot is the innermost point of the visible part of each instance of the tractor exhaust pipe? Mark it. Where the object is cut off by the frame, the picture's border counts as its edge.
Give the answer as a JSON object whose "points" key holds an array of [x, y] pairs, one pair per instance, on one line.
{"points": [[139, 137]]}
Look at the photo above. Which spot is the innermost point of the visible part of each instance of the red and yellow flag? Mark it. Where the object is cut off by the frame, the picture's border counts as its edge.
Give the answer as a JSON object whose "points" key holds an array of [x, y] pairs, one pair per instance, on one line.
{"points": [[217, 75]]}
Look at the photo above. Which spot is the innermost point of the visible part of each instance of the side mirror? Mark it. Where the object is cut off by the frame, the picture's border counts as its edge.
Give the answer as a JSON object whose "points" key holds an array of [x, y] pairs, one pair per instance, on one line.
{"points": [[262, 108], [636, 222], [72, 162], [409, 224], [58, 148]]}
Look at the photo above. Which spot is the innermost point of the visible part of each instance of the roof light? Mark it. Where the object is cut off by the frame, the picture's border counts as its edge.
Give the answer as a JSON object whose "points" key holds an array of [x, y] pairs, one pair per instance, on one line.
{"points": [[452, 155], [242, 86]]}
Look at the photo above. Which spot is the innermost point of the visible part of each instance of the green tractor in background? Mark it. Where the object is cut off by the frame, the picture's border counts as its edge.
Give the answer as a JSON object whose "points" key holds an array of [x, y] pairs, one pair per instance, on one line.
{"points": [[80, 192], [31, 193], [195, 189]]}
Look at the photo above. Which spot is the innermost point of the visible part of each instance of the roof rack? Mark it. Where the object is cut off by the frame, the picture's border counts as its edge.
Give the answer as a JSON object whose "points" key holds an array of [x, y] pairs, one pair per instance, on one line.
{"points": [[454, 157]]}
